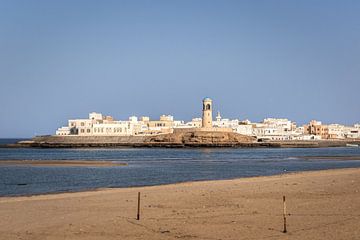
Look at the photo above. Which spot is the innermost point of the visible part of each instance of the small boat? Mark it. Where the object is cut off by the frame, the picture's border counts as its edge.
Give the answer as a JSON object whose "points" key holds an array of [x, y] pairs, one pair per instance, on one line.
{"points": [[352, 145]]}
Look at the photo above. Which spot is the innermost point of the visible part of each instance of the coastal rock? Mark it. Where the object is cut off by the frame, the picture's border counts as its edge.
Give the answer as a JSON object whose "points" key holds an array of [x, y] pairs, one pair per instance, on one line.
{"points": [[188, 138], [176, 139]]}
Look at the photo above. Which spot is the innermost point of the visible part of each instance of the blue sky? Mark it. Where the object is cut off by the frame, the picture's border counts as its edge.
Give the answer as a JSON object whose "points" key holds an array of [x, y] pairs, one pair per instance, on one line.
{"points": [[256, 59]]}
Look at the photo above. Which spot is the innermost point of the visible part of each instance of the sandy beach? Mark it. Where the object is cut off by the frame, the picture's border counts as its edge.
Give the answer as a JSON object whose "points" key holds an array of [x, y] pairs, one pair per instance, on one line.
{"points": [[320, 205]]}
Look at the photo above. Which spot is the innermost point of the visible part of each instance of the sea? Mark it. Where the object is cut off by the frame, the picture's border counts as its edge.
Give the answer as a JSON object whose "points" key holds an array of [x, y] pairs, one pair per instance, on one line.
{"points": [[155, 166]]}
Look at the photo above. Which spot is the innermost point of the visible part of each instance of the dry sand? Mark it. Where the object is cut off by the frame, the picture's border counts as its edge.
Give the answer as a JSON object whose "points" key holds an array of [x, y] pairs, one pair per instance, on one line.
{"points": [[322, 205]]}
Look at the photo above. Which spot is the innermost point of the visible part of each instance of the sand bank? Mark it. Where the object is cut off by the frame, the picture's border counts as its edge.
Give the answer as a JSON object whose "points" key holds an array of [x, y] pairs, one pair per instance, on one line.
{"points": [[321, 205], [344, 158], [62, 163]]}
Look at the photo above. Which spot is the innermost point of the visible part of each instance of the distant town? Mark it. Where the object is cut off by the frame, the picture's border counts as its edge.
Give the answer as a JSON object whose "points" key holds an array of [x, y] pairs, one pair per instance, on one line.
{"points": [[274, 129]]}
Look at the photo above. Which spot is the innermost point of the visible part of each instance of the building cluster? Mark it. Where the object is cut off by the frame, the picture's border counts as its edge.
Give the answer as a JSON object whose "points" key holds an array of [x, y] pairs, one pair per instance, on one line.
{"points": [[274, 129], [100, 125]]}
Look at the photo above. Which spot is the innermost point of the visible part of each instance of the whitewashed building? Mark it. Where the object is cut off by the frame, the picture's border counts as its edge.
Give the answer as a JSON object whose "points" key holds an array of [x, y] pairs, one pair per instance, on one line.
{"points": [[63, 131], [99, 125], [241, 127], [195, 123], [277, 129]]}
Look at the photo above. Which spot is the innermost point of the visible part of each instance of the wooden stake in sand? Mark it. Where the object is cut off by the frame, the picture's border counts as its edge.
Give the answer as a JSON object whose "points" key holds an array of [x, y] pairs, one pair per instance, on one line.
{"points": [[284, 214], [138, 208]]}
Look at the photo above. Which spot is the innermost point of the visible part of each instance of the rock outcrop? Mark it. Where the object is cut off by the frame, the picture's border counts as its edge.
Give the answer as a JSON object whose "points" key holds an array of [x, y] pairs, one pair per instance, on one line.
{"points": [[201, 138], [188, 138]]}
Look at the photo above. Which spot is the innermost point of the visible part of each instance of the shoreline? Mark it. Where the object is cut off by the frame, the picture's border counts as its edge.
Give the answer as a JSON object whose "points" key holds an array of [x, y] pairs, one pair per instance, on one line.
{"points": [[245, 179], [270, 144], [329, 158], [178, 139], [321, 205]]}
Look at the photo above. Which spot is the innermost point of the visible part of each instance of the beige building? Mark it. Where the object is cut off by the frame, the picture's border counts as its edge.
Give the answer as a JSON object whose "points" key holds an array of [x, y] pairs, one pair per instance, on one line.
{"points": [[84, 126], [164, 125], [195, 123], [118, 128], [317, 128]]}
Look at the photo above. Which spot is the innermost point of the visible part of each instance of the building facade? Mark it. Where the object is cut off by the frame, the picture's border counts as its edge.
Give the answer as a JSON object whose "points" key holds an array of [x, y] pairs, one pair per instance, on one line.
{"points": [[317, 128]]}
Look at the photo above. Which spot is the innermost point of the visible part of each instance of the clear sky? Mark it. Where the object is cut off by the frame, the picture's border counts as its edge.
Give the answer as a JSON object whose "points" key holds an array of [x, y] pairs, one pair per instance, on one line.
{"points": [[256, 59]]}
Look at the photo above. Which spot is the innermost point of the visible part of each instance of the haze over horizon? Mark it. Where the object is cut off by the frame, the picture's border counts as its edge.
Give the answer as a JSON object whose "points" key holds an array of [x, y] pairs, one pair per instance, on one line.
{"points": [[289, 59]]}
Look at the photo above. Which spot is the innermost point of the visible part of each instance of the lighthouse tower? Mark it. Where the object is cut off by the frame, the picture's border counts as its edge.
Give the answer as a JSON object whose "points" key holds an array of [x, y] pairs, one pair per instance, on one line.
{"points": [[207, 113]]}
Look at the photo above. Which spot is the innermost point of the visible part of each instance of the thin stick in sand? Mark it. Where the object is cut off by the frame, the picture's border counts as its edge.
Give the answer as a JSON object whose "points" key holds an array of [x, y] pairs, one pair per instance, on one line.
{"points": [[138, 207], [284, 214]]}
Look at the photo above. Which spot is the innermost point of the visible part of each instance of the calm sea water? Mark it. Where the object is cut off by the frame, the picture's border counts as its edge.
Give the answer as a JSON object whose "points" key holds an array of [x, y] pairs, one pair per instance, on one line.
{"points": [[11, 140], [154, 166]]}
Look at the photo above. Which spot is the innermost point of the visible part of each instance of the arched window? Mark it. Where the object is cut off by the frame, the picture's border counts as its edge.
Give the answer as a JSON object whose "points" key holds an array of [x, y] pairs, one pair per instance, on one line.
{"points": [[207, 106]]}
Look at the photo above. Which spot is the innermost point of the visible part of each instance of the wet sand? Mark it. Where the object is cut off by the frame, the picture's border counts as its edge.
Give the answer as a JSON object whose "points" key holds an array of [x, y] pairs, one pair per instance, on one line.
{"points": [[321, 205], [62, 163], [343, 158]]}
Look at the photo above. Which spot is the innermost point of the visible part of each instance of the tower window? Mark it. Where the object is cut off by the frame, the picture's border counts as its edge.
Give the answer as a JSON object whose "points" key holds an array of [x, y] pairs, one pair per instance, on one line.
{"points": [[208, 107]]}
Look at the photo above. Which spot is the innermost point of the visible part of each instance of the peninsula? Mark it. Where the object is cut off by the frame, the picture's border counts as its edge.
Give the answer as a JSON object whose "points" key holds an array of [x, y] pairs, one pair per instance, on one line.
{"points": [[104, 131]]}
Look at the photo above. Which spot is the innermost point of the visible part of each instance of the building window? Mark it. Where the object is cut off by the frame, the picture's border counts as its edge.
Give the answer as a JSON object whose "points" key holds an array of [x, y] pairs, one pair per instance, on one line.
{"points": [[88, 130], [82, 130]]}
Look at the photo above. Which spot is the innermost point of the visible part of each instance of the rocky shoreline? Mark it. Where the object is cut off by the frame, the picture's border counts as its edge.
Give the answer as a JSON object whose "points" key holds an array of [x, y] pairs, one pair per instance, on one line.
{"points": [[181, 139]]}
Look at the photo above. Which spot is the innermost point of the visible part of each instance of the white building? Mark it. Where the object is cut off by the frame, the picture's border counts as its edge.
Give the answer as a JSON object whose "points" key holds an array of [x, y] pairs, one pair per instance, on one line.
{"points": [[278, 129], [352, 132], [282, 124], [195, 123], [99, 125], [241, 127], [63, 131], [118, 128], [305, 137], [244, 129], [336, 131], [166, 118], [95, 116]]}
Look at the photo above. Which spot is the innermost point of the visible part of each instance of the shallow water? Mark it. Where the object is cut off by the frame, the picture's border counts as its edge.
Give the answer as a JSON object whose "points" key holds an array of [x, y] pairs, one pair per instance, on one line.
{"points": [[154, 166]]}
